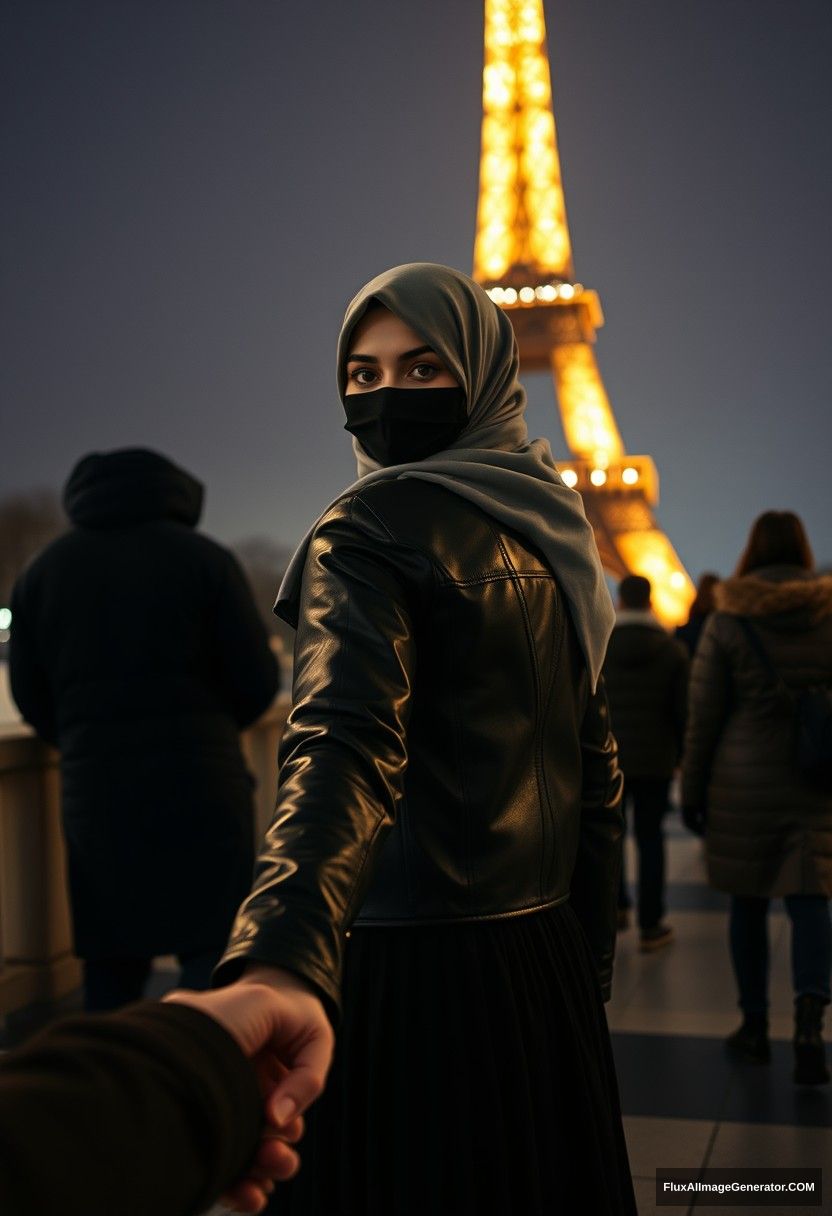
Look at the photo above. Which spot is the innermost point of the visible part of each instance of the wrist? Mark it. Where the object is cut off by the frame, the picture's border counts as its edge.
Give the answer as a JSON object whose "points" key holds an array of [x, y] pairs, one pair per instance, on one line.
{"points": [[276, 978]]}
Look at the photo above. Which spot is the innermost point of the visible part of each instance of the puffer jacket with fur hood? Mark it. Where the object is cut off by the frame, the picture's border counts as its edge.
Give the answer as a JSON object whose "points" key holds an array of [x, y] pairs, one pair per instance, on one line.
{"points": [[769, 832]]}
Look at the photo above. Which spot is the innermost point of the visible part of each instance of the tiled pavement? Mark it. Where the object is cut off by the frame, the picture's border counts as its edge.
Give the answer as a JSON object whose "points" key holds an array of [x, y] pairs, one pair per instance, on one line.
{"points": [[685, 1104]]}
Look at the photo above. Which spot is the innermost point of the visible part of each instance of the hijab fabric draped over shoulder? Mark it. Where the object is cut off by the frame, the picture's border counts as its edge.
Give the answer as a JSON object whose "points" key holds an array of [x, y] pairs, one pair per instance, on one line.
{"points": [[492, 463]]}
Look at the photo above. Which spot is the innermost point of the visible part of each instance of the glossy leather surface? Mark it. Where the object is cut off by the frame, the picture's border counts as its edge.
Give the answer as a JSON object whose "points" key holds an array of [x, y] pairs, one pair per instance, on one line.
{"points": [[444, 759]]}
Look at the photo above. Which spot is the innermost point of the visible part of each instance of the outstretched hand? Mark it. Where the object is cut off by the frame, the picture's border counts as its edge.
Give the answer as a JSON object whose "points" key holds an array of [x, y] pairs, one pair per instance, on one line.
{"points": [[280, 1025]]}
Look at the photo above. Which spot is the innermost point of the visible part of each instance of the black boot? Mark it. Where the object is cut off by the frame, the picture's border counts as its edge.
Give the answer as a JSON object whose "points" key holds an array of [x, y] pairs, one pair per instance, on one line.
{"points": [[809, 1051], [750, 1042]]}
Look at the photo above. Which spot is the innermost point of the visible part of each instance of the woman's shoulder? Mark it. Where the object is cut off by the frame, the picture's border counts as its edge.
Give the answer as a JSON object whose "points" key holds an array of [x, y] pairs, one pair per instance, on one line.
{"points": [[404, 509], [414, 516]]}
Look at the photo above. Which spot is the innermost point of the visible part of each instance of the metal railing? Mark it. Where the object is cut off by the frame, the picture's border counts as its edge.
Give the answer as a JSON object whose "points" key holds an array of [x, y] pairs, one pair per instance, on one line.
{"points": [[36, 959]]}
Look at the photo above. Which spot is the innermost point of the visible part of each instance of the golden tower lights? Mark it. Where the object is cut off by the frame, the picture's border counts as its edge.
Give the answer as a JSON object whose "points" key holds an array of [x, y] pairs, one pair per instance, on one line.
{"points": [[523, 257]]}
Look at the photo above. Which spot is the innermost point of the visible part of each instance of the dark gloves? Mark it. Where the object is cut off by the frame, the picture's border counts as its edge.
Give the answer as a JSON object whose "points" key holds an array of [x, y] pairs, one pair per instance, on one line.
{"points": [[694, 819]]}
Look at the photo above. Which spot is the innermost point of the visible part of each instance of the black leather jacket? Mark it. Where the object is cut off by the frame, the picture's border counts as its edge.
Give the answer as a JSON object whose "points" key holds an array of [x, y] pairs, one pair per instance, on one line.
{"points": [[444, 759]]}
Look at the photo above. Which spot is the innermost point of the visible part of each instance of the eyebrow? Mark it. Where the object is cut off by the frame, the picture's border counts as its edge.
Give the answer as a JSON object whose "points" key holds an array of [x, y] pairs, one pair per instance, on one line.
{"points": [[408, 354]]}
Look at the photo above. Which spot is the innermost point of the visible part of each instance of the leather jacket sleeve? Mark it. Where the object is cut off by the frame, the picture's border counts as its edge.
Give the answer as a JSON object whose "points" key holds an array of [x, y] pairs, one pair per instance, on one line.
{"points": [[595, 879], [342, 757]]}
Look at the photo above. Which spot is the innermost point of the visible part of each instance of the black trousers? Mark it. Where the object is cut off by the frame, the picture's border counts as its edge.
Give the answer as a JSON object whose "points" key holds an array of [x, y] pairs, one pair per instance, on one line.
{"points": [[110, 983], [648, 797], [811, 947]]}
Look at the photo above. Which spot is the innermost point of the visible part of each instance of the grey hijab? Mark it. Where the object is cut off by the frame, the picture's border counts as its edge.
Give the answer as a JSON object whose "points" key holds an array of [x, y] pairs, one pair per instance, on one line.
{"points": [[492, 463]]}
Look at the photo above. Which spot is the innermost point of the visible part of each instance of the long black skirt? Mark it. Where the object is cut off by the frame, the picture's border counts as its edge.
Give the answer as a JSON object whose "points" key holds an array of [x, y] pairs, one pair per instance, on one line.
{"points": [[473, 1073]]}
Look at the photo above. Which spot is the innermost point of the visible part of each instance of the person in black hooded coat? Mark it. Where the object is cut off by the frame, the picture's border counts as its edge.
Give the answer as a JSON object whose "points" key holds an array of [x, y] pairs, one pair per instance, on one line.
{"points": [[138, 651]]}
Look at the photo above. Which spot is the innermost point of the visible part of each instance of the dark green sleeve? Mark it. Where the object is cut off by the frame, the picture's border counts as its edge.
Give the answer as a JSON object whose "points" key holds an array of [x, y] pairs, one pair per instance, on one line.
{"points": [[150, 1110]]}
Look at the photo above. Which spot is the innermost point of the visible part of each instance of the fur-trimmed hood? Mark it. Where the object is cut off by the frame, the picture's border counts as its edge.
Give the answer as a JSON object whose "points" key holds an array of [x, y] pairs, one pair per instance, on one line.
{"points": [[795, 597]]}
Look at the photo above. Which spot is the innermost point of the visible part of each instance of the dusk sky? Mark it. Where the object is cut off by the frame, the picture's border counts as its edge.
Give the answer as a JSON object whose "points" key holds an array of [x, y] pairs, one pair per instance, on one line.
{"points": [[194, 189]]}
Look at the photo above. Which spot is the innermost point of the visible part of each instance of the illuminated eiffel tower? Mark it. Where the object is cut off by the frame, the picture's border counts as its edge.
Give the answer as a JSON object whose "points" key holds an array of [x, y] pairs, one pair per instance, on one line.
{"points": [[523, 257]]}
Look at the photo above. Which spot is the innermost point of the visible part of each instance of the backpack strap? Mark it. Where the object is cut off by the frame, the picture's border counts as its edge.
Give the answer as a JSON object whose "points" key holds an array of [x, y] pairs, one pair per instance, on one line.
{"points": [[762, 654]]}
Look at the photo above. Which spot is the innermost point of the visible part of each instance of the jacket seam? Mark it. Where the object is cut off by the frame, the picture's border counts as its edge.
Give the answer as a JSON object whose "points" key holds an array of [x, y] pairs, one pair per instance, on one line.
{"points": [[345, 919], [403, 817], [557, 650], [476, 918], [538, 696], [392, 537], [405, 829], [446, 576], [375, 515], [460, 763], [348, 916], [498, 576]]}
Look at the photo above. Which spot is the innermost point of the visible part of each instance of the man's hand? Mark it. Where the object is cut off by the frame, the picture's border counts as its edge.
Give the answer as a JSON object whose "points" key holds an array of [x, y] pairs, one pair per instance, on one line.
{"points": [[280, 1024]]}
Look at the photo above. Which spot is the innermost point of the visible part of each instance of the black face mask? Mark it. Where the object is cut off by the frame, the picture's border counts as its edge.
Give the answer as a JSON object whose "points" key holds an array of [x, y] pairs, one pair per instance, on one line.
{"points": [[399, 425]]}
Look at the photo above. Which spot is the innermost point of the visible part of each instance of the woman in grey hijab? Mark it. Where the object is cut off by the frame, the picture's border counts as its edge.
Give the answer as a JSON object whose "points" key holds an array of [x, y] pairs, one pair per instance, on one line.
{"points": [[439, 879]]}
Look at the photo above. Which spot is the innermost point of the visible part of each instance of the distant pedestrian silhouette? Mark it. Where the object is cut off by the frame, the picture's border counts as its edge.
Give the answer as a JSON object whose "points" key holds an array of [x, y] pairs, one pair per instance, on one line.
{"points": [[646, 673], [137, 650], [700, 610], [768, 829]]}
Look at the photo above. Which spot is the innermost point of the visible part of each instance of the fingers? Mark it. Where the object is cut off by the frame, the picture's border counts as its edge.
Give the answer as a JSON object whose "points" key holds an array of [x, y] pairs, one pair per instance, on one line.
{"points": [[278, 1162], [273, 1148], [245, 1197], [308, 1067], [291, 1133], [275, 1161]]}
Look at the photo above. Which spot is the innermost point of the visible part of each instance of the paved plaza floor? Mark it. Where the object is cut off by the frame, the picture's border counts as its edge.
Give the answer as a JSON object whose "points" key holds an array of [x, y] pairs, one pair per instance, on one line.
{"points": [[685, 1103]]}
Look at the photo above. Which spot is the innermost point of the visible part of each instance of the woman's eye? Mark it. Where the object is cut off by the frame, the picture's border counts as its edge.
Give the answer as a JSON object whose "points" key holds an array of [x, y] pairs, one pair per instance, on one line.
{"points": [[424, 371], [363, 375]]}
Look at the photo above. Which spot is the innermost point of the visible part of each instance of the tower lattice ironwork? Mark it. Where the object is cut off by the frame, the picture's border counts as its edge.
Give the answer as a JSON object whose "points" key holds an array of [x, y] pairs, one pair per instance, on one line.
{"points": [[523, 258]]}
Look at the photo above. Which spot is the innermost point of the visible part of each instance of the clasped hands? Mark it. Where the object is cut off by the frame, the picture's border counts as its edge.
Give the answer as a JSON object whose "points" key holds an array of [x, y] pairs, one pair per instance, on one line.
{"points": [[281, 1026]]}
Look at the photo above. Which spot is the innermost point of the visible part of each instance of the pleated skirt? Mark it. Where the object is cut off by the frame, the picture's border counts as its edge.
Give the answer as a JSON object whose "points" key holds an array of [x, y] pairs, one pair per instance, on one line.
{"points": [[473, 1073]]}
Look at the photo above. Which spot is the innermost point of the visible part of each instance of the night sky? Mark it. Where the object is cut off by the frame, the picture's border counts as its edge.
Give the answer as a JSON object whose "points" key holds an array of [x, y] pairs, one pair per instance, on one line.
{"points": [[194, 189]]}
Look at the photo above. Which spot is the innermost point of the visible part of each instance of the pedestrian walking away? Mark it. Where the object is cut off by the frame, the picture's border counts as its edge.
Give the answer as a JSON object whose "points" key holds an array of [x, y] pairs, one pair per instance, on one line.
{"points": [[767, 823], [138, 651], [700, 610], [646, 672]]}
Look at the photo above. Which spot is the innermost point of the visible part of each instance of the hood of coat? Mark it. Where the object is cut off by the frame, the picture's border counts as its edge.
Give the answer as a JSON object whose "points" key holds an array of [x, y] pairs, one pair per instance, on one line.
{"points": [[130, 486], [789, 597]]}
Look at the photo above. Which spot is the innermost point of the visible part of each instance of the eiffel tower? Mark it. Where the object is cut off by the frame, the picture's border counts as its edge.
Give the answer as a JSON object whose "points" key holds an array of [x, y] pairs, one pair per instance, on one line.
{"points": [[523, 258]]}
